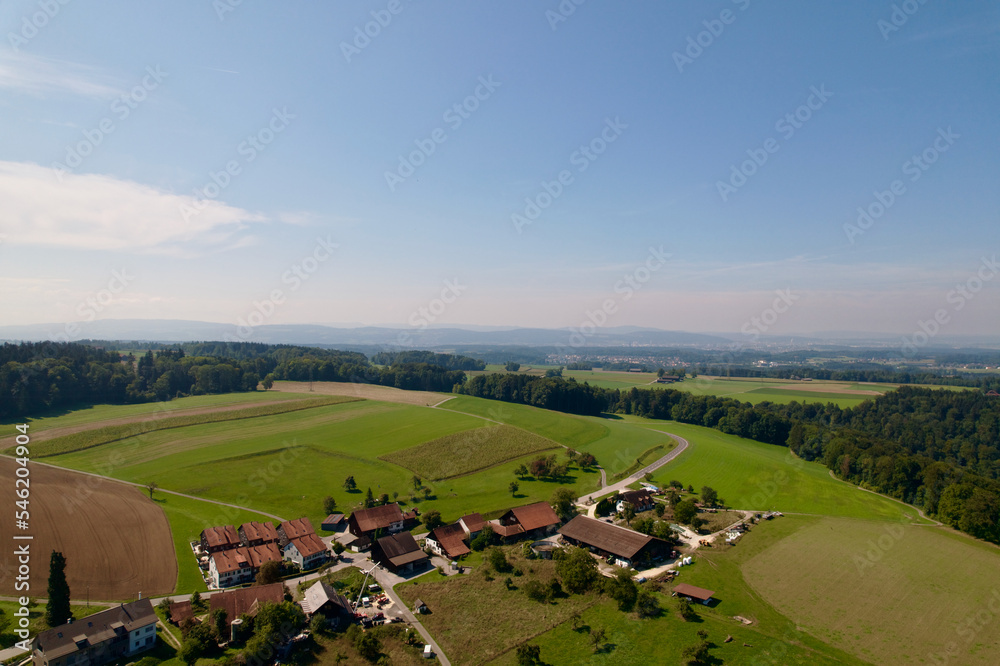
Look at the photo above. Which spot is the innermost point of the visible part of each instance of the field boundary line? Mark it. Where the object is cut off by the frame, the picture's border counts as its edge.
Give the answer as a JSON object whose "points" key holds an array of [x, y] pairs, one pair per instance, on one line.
{"points": [[935, 522], [159, 490]]}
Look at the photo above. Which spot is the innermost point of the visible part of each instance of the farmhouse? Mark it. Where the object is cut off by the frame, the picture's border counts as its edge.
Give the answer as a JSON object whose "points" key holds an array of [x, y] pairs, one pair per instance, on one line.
{"points": [[447, 540], [533, 520], [399, 553], [641, 500], [215, 539], [694, 593], [180, 611], [472, 524], [333, 523], [240, 565], [98, 639], [246, 601], [294, 529], [625, 546], [387, 517], [255, 534], [323, 599], [307, 551]]}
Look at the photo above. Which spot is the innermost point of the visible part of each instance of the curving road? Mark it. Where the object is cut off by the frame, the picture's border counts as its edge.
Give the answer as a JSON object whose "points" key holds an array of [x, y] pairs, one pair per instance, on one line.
{"points": [[682, 444]]}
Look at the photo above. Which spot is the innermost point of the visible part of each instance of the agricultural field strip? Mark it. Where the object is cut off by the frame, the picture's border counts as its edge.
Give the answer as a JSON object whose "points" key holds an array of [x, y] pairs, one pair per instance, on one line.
{"points": [[159, 490], [108, 434], [469, 451]]}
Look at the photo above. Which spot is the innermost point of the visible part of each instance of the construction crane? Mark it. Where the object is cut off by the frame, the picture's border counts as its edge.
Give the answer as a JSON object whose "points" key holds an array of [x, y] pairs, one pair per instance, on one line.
{"points": [[364, 585]]}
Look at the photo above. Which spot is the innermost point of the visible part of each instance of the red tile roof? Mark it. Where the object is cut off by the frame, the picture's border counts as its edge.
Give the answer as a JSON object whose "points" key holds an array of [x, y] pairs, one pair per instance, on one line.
{"points": [[267, 552], [451, 539], [474, 522], [255, 531], [534, 516], [309, 545], [221, 537], [299, 527], [247, 600]]}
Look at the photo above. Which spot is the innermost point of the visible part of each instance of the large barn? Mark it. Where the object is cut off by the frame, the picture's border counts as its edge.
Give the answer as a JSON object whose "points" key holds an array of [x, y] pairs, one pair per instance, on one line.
{"points": [[533, 520], [399, 553], [626, 547]]}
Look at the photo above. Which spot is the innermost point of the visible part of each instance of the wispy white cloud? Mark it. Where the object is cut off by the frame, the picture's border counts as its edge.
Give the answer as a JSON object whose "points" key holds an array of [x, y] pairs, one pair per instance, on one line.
{"points": [[40, 76], [42, 206]]}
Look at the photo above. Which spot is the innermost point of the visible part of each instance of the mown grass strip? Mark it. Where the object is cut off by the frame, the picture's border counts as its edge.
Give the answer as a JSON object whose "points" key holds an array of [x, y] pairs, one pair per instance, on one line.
{"points": [[648, 456], [467, 452], [99, 436]]}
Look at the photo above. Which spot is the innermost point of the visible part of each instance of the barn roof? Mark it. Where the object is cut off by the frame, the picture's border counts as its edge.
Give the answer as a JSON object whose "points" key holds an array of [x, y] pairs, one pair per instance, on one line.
{"points": [[323, 594], [266, 552], [698, 593], [473, 522], [534, 516], [401, 549], [377, 517], [605, 536], [636, 497]]}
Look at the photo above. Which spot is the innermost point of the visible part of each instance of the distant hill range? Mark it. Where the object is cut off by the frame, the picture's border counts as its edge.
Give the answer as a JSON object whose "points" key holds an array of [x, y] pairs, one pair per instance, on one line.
{"points": [[178, 330]]}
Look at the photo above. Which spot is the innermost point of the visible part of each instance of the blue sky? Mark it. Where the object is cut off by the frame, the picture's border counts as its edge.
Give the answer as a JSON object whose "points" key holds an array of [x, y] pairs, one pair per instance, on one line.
{"points": [[310, 118]]}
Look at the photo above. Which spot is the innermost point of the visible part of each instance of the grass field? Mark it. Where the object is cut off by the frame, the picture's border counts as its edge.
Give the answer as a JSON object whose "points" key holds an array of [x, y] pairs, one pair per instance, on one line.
{"points": [[108, 434], [761, 477], [469, 451], [904, 594]]}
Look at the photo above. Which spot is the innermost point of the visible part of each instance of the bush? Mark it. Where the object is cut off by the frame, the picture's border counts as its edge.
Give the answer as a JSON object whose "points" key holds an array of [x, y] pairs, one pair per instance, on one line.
{"points": [[536, 591], [578, 570], [496, 559]]}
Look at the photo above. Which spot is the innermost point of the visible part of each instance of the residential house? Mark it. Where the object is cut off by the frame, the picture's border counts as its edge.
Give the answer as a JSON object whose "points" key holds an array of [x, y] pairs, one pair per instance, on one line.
{"points": [[110, 635], [323, 599], [641, 500], [448, 540], [294, 529], [256, 534], [240, 565], [215, 539], [472, 524], [533, 520], [307, 551]]}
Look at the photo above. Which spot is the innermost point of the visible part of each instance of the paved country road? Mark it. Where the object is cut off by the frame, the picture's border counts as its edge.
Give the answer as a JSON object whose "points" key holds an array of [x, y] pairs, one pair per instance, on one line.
{"points": [[682, 444]]}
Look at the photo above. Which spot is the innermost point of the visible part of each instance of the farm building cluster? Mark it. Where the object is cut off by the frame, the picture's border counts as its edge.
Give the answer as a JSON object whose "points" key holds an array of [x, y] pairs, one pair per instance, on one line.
{"points": [[231, 556]]}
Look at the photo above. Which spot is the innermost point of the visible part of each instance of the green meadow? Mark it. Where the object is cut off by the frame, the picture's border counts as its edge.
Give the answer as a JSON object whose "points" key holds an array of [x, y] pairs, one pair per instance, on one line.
{"points": [[763, 477]]}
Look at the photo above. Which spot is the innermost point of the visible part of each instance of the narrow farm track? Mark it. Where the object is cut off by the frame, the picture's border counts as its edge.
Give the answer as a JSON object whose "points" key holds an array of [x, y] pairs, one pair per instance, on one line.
{"points": [[682, 444]]}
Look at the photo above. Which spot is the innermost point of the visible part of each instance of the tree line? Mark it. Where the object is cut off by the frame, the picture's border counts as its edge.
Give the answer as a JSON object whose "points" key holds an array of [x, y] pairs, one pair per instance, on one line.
{"points": [[936, 449]]}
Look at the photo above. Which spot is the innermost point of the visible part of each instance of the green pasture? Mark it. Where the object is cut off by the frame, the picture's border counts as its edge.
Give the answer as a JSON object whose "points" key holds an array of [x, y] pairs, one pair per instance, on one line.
{"points": [[763, 477]]}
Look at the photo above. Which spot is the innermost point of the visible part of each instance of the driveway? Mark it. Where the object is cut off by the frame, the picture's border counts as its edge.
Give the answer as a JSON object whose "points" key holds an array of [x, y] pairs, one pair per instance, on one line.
{"points": [[682, 444]]}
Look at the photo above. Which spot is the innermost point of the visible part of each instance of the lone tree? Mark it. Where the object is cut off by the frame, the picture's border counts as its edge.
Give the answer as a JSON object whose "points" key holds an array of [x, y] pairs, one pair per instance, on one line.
{"points": [[369, 498], [513, 488], [709, 495], [270, 572], [416, 482], [432, 519], [151, 486], [329, 505], [57, 610], [350, 485]]}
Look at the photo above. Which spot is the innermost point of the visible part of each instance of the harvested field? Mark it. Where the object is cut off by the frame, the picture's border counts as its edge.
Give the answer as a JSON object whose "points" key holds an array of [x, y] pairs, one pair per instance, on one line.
{"points": [[469, 451], [366, 391], [116, 541]]}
